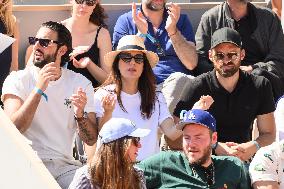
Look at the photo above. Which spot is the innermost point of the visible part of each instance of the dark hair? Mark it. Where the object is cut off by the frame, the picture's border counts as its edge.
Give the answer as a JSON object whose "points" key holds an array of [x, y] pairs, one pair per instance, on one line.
{"points": [[98, 16], [146, 87], [63, 36]]}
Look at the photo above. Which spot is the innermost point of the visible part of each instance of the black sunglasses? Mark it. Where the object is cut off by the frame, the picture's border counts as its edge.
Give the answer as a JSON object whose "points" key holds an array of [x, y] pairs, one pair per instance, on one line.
{"points": [[88, 2], [127, 57], [43, 42]]}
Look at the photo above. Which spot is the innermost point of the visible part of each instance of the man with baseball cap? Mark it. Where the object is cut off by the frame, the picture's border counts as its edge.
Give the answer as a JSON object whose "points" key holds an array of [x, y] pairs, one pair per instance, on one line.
{"points": [[239, 98], [195, 167]]}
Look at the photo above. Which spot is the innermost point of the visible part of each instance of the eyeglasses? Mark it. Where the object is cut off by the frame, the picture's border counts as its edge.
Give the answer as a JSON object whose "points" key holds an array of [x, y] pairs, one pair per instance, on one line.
{"points": [[127, 57], [88, 2], [43, 42], [221, 56]]}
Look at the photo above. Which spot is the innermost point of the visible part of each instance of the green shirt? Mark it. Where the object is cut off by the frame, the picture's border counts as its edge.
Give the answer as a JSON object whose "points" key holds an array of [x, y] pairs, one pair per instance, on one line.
{"points": [[172, 170]]}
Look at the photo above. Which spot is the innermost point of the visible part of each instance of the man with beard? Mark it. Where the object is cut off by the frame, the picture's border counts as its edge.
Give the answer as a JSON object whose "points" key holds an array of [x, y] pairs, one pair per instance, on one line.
{"points": [[239, 98], [49, 103], [195, 167], [261, 34], [168, 33]]}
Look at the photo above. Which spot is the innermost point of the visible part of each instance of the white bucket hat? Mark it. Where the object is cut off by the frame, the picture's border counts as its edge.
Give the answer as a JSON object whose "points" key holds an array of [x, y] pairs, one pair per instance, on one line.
{"points": [[131, 43]]}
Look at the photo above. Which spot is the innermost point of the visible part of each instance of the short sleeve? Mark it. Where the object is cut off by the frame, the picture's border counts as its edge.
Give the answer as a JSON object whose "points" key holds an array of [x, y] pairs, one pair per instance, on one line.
{"points": [[81, 179], [279, 118], [13, 84], [264, 166], [267, 104], [186, 29], [163, 108]]}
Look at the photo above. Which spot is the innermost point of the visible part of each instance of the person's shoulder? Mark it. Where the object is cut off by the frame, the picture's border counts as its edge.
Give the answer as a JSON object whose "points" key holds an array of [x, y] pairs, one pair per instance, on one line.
{"points": [[263, 10], [22, 74], [203, 78], [126, 15], [229, 161], [213, 12], [257, 80], [66, 21]]}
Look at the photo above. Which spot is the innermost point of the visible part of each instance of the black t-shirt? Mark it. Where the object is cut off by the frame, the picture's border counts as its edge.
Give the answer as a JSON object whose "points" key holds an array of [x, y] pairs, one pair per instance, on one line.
{"points": [[235, 111]]}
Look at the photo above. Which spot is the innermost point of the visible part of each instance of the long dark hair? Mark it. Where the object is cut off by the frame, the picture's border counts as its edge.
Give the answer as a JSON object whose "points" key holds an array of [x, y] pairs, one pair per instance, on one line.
{"points": [[146, 87], [112, 169], [98, 16]]}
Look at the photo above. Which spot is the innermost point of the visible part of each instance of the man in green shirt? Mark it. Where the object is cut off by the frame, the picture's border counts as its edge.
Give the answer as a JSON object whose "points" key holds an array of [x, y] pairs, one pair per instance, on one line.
{"points": [[195, 167]]}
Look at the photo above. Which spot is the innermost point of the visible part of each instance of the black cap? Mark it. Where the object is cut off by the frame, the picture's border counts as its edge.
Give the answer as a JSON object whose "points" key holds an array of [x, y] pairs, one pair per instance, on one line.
{"points": [[226, 35]]}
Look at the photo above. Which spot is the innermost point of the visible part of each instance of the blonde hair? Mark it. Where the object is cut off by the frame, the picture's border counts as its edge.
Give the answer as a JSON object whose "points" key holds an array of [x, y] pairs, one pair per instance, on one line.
{"points": [[7, 17], [112, 169]]}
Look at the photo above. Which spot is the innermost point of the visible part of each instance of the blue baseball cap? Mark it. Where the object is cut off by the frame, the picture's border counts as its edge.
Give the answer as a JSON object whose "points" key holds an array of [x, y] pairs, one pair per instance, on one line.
{"points": [[196, 116], [117, 128]]}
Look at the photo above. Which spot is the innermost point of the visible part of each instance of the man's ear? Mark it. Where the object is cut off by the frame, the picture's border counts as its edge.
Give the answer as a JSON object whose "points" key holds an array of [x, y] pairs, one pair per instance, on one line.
{"points": [[243, 54], [210, 55], [214, 137], [62, 50]]}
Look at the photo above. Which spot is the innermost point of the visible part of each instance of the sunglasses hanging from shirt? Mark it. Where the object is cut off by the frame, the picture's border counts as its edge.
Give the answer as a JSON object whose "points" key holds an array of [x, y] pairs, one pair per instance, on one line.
{"points": [[160, 50]]}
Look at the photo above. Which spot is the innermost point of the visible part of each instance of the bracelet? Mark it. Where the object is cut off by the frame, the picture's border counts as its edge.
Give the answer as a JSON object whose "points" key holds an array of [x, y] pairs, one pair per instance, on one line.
{"points": [[143, 35], [256, 144], [39, 91], [147, 35], [170, 35], [78, 119]]}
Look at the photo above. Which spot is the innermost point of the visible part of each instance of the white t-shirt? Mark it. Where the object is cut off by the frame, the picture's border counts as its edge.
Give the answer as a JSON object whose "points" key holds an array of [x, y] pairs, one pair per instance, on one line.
{"points": [[279, 119], [53, 127], [150, 143], [267, 164]]}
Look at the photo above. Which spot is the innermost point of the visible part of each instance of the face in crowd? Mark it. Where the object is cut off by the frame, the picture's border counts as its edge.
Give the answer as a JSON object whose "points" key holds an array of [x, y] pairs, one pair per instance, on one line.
{"points": [[154, 5], [197, 144], [84, 8], [131, 64], [226, 58], [132, 150], [46, 47]]}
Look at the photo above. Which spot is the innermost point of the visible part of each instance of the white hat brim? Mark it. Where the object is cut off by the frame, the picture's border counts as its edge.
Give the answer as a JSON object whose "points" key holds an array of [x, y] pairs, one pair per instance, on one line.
{"points": [[140, 133]]}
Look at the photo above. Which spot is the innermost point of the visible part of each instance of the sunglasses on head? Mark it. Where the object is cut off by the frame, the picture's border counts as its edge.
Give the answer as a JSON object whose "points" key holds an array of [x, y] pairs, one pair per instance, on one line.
{"points": [[88, 2], [127, 57], [43, 42], [221, 56]]}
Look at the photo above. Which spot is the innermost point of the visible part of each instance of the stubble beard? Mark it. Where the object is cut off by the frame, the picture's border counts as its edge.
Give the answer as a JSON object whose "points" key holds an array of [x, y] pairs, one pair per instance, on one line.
{"points": [[203, 159]]}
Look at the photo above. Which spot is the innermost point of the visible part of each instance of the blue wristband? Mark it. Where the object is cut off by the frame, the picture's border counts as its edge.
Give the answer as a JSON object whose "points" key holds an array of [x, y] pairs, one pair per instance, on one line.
{"points": [[152, 39], [39, 91]]}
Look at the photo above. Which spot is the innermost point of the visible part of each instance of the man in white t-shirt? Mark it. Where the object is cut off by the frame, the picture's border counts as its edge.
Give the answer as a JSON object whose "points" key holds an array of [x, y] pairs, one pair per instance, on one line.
{"points": [[49, 103], [266, 168]]}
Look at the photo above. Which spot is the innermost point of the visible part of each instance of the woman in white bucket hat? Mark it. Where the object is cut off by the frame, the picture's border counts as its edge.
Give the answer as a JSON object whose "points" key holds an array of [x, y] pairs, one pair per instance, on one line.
{"points": [[130, 92]]}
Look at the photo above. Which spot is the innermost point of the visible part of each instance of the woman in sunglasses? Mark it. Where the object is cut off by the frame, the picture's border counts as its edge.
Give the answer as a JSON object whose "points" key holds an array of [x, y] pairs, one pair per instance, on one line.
{"points": [[112, 166], [130, 92], [90, 40], [8, 26]]}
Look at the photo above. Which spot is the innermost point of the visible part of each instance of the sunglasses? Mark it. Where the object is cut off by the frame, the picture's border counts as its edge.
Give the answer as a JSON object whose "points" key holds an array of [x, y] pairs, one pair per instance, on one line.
{"points": [[221, 56], [88, 2], [43, 42], [127, 57]]}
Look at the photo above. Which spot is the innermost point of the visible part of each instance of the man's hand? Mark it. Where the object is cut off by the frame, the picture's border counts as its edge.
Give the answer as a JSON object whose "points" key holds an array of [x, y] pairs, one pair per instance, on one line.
{"points": [[225, 149], [203, 103], [79, 101], [174, 14], [139, 20], [246, 68], [246, 150], [46, 74]]}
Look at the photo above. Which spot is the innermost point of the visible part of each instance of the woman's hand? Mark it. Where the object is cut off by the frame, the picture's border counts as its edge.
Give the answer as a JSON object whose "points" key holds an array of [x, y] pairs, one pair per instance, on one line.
{"points": [[79, 57], [108, 103]]}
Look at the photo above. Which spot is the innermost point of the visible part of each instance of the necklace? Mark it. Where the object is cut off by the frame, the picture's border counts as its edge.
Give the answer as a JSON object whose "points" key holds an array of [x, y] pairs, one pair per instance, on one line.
{"points": [[209, 172]]}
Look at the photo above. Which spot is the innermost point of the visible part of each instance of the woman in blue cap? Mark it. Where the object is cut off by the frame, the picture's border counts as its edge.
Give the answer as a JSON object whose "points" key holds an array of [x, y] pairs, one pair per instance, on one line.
{"points": [[112, 165]]}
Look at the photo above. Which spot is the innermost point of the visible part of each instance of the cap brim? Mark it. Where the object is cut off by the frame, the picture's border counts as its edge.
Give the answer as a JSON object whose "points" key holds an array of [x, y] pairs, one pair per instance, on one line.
{"points": [[151, 56], [225, 42], [181, 125], [140, 133]]}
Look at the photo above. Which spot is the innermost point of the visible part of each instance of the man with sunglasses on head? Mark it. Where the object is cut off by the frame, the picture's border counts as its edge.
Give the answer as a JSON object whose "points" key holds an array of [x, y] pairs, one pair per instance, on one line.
{"points": [[239, 98], [262, 37], [168, 33], [49, 103]]}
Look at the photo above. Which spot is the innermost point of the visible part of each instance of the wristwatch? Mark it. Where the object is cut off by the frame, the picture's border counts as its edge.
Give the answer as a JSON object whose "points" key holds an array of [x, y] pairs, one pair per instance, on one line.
{"points": [[78, 119]]}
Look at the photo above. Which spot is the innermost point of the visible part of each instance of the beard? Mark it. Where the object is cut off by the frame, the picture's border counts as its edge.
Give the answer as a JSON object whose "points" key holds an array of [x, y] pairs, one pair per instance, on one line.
{"points": [[203, 159], [228, 72], [46, 60], [154, 6]]}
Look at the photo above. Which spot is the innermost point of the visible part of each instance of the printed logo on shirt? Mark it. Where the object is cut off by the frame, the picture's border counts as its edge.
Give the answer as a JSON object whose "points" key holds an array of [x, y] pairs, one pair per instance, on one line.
{"points": [[267, 155], [67, 103], [259, 167]]}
